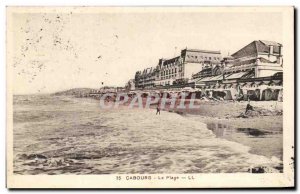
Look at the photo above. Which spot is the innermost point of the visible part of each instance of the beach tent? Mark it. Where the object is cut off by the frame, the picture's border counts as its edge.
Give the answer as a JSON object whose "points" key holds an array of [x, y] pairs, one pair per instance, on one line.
{"points": [[219, 94], [271, 92], [253, 95], [198, 94], [228, 95], [267, 94], [275, 94]]}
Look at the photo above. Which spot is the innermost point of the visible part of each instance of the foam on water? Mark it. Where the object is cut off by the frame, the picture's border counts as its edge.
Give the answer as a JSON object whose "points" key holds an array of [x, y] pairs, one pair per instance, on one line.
{"points": [[74, 136]]}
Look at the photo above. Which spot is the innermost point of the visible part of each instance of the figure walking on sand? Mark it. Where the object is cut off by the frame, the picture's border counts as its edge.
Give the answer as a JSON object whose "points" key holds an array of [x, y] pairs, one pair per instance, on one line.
{"points": [[158, 110], [248, 107]]}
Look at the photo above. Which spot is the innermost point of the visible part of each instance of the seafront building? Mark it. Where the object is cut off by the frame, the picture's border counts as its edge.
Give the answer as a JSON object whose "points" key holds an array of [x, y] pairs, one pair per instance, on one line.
{"points": [[254, 72], [257, 59], [252, 69], [177, 70]]}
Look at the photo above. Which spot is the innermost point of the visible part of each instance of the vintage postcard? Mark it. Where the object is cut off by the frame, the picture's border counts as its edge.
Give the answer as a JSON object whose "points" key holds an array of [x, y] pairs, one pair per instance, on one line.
{"points": [[150, 97]]}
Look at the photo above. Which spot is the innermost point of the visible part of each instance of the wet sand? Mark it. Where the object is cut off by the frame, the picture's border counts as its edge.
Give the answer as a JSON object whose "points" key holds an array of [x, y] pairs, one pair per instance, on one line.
{"points": [[261, 130]]}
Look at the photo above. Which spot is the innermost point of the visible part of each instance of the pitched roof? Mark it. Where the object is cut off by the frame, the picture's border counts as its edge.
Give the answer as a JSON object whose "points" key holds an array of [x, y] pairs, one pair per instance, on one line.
{"points": [[270, 43], [257, 46], [262, 46], [172, 60]]}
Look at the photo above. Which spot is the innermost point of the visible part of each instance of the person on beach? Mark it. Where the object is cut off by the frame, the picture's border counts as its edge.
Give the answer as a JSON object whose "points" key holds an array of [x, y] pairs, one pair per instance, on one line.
{"points": [[248, 107], [157, 110]]}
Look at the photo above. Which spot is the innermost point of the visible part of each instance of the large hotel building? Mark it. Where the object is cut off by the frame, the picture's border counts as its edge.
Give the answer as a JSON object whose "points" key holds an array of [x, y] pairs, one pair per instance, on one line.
{"points": [[256, 69], [177, 70]]}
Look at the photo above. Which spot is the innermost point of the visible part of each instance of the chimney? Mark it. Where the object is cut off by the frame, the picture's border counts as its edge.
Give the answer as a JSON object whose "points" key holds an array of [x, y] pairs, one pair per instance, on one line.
{"points": [[280, 50], [271, 49], [161, 61], [183, 52]]}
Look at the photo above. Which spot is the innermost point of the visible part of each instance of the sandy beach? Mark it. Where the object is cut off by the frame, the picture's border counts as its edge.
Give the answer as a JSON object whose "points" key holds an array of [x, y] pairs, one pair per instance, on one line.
{"points": [[262, 127]]}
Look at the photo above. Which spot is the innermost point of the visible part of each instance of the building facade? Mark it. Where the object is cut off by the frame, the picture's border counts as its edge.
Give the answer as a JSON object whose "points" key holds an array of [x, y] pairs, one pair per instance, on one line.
{"points": [[146, 78], [179, 69], [257, 59], [254, 72], [263, 58]]}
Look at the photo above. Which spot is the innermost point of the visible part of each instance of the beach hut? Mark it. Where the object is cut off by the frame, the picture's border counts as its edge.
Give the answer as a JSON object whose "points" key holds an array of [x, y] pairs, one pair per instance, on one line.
{"points": [[267, 94], [228, 95], [275, 93], [198, 94], [253, 95]]}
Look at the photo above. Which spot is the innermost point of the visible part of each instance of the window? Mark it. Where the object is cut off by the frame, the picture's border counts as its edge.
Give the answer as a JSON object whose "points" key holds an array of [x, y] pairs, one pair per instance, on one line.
{"points": [[175, 70], [172, 71], [209, 58], [196, 57]]}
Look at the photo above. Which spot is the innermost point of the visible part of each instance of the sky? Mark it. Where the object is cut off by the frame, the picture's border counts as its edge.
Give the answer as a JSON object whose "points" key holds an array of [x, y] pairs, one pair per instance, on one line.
{"points": [[54, 51]]}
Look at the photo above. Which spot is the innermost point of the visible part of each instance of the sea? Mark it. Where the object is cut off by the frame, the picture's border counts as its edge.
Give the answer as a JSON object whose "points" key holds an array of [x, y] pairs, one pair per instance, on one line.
{"points": [[66, 135]]}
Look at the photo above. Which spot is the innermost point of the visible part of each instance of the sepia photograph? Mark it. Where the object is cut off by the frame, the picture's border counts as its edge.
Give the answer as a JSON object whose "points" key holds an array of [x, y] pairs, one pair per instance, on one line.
{"points": [[150, 97]]}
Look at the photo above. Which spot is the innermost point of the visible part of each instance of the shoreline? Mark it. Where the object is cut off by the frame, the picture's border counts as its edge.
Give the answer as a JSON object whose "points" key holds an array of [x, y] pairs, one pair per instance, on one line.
{"points": [[221, 127], [261, 131]]}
